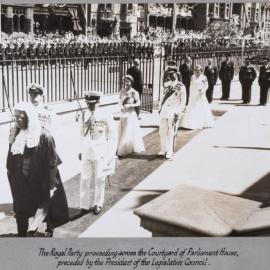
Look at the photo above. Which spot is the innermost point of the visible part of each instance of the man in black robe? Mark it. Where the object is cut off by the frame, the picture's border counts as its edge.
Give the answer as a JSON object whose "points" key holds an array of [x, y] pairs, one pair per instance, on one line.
{"points": [[33, 175]]}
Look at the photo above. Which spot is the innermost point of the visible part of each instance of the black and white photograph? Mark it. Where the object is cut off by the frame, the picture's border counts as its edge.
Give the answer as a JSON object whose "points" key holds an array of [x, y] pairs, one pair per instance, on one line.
{"points": [[129, 120]]}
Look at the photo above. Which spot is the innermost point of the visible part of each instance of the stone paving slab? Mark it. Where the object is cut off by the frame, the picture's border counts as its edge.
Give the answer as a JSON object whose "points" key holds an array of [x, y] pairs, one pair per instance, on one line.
{"points": [[228, 158]]}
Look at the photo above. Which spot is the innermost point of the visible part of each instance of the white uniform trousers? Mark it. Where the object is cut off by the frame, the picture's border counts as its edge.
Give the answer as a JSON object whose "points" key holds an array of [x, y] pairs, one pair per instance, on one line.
{"points": [[89, 169], [166, 132]]}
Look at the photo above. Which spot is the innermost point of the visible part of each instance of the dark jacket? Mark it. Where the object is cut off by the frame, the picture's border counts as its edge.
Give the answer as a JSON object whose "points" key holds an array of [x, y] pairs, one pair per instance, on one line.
{"points": [[226, 71], [211, 74], [264, 76], [247, 74], [138, 78], [186, 73]]}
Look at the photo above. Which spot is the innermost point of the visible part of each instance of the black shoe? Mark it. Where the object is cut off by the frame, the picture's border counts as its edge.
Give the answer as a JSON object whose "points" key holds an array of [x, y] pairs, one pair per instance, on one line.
{"points": [[97, 209], [84, 211], [48, 233], [32, 233]]}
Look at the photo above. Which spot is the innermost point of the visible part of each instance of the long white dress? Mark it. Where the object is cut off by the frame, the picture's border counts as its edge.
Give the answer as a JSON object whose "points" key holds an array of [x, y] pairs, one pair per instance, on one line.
{"points": [[198, 113], [130, 137]]}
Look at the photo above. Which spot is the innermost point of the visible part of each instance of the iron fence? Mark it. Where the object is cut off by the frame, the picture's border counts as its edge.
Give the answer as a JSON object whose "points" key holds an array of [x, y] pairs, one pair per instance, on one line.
{"points": [[66, 79]]}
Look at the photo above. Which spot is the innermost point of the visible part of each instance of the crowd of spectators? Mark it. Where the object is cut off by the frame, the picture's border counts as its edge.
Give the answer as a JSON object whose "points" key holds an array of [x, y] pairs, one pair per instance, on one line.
{"points": [[154, 42]]}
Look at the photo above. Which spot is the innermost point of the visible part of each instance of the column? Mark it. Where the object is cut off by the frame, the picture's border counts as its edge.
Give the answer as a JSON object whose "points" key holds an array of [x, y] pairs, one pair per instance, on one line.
{"points": [[116, 12], [29, 21], [174, 14], [146, 15]]}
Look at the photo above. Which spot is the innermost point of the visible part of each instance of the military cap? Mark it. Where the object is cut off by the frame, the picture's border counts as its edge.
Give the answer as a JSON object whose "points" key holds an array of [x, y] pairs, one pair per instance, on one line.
{"points": [[35, 88], [247, 60], [171, 63], [130, 78], [266, 59], [171, 69], [92, 96]]}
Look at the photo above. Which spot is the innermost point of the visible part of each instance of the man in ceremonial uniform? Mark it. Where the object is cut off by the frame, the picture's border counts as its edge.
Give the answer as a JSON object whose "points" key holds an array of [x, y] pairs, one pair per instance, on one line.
{"points": [[226, 74], [186, 73], [171, 108], [45, 115], [264, 82], [247, 75], [98, 152], [211, 74]]}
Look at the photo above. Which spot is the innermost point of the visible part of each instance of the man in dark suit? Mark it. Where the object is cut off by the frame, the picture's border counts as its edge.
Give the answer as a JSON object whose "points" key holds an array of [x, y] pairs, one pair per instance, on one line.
{"points": [[247, 75], [186, 73], [136, 74], [226, 74], [264, 81], [211, 74]]}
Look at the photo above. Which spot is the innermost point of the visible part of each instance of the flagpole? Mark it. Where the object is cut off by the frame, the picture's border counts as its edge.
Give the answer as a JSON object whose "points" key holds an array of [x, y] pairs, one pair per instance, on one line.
{"points": [[1, 24], [86, 19]]}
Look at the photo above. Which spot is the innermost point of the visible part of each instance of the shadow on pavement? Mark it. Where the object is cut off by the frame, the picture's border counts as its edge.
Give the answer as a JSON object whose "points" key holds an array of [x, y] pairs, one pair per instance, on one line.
{"points": [[243, 147], [259, 191], [146, 198]]}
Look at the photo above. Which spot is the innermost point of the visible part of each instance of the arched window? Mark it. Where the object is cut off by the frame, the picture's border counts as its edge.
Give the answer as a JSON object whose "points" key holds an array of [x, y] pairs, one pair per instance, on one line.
{"points": [[3, 23], [16, 23], [22, 21]]}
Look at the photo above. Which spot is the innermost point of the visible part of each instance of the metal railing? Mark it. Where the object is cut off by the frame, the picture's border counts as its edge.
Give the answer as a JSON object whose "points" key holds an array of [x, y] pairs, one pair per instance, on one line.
{"points": [[66, 79]]}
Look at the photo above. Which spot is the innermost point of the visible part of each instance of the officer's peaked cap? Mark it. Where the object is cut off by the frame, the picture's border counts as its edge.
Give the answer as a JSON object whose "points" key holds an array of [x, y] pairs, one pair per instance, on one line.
{"points": [[247, 60], [35, 88], [171, 69], [171, 63], [92, 96]]}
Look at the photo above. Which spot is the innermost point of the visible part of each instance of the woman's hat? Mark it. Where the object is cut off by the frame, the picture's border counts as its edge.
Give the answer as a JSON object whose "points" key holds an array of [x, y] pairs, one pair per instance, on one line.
{"points": [[130, 78]]}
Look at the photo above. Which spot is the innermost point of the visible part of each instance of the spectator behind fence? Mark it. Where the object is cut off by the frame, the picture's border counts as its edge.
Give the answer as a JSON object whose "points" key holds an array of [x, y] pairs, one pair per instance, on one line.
{"points": [[137, 76]]}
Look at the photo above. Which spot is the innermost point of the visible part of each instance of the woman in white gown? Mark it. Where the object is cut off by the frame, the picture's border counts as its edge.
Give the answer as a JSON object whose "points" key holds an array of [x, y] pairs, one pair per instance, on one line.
{"points": [[198, 113], [130, 138]]}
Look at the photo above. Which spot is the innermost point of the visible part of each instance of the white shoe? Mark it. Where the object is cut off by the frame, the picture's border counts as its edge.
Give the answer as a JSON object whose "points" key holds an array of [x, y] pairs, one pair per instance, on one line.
{"points": [[169, 157], [161, 153]]}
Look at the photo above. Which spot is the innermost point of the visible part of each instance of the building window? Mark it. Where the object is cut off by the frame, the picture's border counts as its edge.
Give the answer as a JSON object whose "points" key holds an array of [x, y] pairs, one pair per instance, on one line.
{"points": [[249, 13], [221, 10], [101, 7], [216, 15], [227, 11], [257, 15], [211, 10]]}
